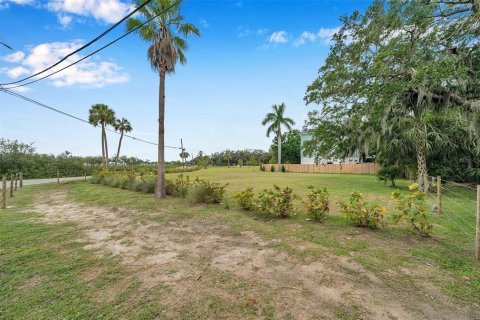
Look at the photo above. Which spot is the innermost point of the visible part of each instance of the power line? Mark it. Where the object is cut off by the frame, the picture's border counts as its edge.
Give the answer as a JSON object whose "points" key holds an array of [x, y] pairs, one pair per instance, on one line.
{"points": [[84, 46], [91, 54], [74, 117]]}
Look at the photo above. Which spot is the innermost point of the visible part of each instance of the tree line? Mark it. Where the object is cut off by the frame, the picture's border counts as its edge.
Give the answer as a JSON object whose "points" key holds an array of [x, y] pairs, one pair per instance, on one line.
{"points": [[17, 157], [401, 83]]}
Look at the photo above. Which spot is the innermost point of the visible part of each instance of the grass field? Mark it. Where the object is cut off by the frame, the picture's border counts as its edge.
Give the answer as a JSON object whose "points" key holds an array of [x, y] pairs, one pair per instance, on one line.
{"points": [[84, 251]]}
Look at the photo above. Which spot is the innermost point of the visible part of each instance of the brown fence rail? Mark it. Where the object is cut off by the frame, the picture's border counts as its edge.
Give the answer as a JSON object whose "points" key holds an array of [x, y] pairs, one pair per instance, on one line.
{"points": [[355, 168]]}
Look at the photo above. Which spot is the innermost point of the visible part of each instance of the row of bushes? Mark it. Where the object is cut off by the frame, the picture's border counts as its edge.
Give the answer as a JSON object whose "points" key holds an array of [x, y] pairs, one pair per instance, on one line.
{"points": [[197, 190], [278, 202], [272, 168]]}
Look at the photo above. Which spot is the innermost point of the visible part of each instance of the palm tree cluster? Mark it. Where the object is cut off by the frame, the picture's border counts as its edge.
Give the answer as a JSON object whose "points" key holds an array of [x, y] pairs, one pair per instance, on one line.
{"points": [[101, 114]]}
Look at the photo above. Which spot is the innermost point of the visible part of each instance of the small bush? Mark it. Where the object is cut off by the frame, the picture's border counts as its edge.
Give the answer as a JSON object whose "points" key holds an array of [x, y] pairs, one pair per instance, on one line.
{"points": [[178, 187], [207, 192], [412, 208], [362, 212], [96, 179], [389, 173], [272, 168], [262, 168], [283, 168], [317, 203], [109, 181], [246, 199], [277, 202], [145, 185]]}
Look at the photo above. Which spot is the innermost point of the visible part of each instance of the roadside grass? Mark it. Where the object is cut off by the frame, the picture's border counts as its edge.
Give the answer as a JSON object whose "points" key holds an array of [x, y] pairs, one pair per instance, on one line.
{"points": [[46, 273]]}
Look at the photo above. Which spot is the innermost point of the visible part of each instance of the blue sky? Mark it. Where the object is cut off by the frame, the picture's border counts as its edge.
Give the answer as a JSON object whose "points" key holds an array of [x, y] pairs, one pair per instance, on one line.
{"points": [[251, 54]]}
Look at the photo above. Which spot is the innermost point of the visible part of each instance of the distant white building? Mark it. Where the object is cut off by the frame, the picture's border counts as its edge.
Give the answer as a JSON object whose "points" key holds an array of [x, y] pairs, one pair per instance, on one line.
{"points": [[305, 136]]}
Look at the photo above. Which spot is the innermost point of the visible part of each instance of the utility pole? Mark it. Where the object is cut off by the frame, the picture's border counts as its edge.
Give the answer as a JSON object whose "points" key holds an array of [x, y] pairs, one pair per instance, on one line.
{"points": [[183, 154]]}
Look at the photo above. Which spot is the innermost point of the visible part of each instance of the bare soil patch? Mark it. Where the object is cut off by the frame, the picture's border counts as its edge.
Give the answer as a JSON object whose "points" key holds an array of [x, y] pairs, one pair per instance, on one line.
{"points": [[197, 257]]}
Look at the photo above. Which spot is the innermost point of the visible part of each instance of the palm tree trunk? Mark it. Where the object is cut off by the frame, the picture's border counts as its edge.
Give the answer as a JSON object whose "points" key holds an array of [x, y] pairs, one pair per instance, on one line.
{"points": [[160, 189], [422, 168], [279, 140], [106, 148], [118, 151], [103, 145]]}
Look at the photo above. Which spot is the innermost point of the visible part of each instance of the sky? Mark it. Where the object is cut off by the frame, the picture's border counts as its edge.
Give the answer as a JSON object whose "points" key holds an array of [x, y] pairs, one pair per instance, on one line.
{"points": [[250, 55]]}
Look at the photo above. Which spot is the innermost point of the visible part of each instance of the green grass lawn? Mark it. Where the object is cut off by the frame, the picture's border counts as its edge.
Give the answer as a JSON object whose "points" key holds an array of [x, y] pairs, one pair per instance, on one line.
{"points": [[50, 271]]}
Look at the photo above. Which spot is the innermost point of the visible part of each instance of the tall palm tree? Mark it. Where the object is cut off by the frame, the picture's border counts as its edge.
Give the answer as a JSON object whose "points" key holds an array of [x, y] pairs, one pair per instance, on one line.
{"points": [[121, 125], [101, 114], [277, 119], [165, 34]]}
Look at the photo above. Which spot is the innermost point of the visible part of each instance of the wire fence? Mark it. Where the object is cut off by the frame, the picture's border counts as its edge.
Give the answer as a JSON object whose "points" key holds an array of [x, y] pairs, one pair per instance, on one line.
{"points": [[456, 204]]}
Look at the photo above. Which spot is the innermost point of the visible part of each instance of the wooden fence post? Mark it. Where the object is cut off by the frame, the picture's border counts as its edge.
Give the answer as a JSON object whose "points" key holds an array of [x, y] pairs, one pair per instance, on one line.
{"points": [[477, 242], [58, 177], [11, 185], [439, 194], [16, 181], [21, 179], [4, 192]]}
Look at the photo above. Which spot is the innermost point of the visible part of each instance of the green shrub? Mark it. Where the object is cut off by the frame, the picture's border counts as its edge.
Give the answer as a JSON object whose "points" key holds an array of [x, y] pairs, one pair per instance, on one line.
{"points": [[178, 187], [246, 199], [283, 168], [109, 181], [317, 203], [412, 208], [145, 185], [206, 192], [362, 212], [262, 168], [272, 168], [96, 179], [389, 173], [277, 202]]}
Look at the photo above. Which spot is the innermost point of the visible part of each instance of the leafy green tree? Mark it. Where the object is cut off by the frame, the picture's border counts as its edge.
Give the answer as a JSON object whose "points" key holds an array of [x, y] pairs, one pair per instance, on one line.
{"points": [[388, 71], [165, 34], [277, 119], [101, 114], [290, 146], [228, 157], [121, 125]]}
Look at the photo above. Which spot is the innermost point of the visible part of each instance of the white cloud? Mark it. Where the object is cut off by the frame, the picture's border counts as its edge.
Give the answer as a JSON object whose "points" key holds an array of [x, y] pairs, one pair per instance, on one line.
{"points": [[278, 37], [14, 57], [5, 4], [20, 89], [109, 11], [17, 72], [204, 23], [326, 34], [262, 31], [21, 2], [87, 73], [304, 37], [64, 20]]}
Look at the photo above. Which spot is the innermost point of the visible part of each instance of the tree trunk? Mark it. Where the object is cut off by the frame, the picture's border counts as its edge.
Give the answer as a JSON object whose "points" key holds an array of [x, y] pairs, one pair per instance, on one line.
{"points": [[279, 140], [106, 147], [118, 151], [422, 168], [160, 189], [103, 145]]}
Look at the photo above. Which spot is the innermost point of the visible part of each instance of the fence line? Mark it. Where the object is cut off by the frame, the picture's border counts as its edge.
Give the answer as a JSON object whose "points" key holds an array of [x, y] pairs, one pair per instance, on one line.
{"points": [[353, 168], [458, 208]]}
